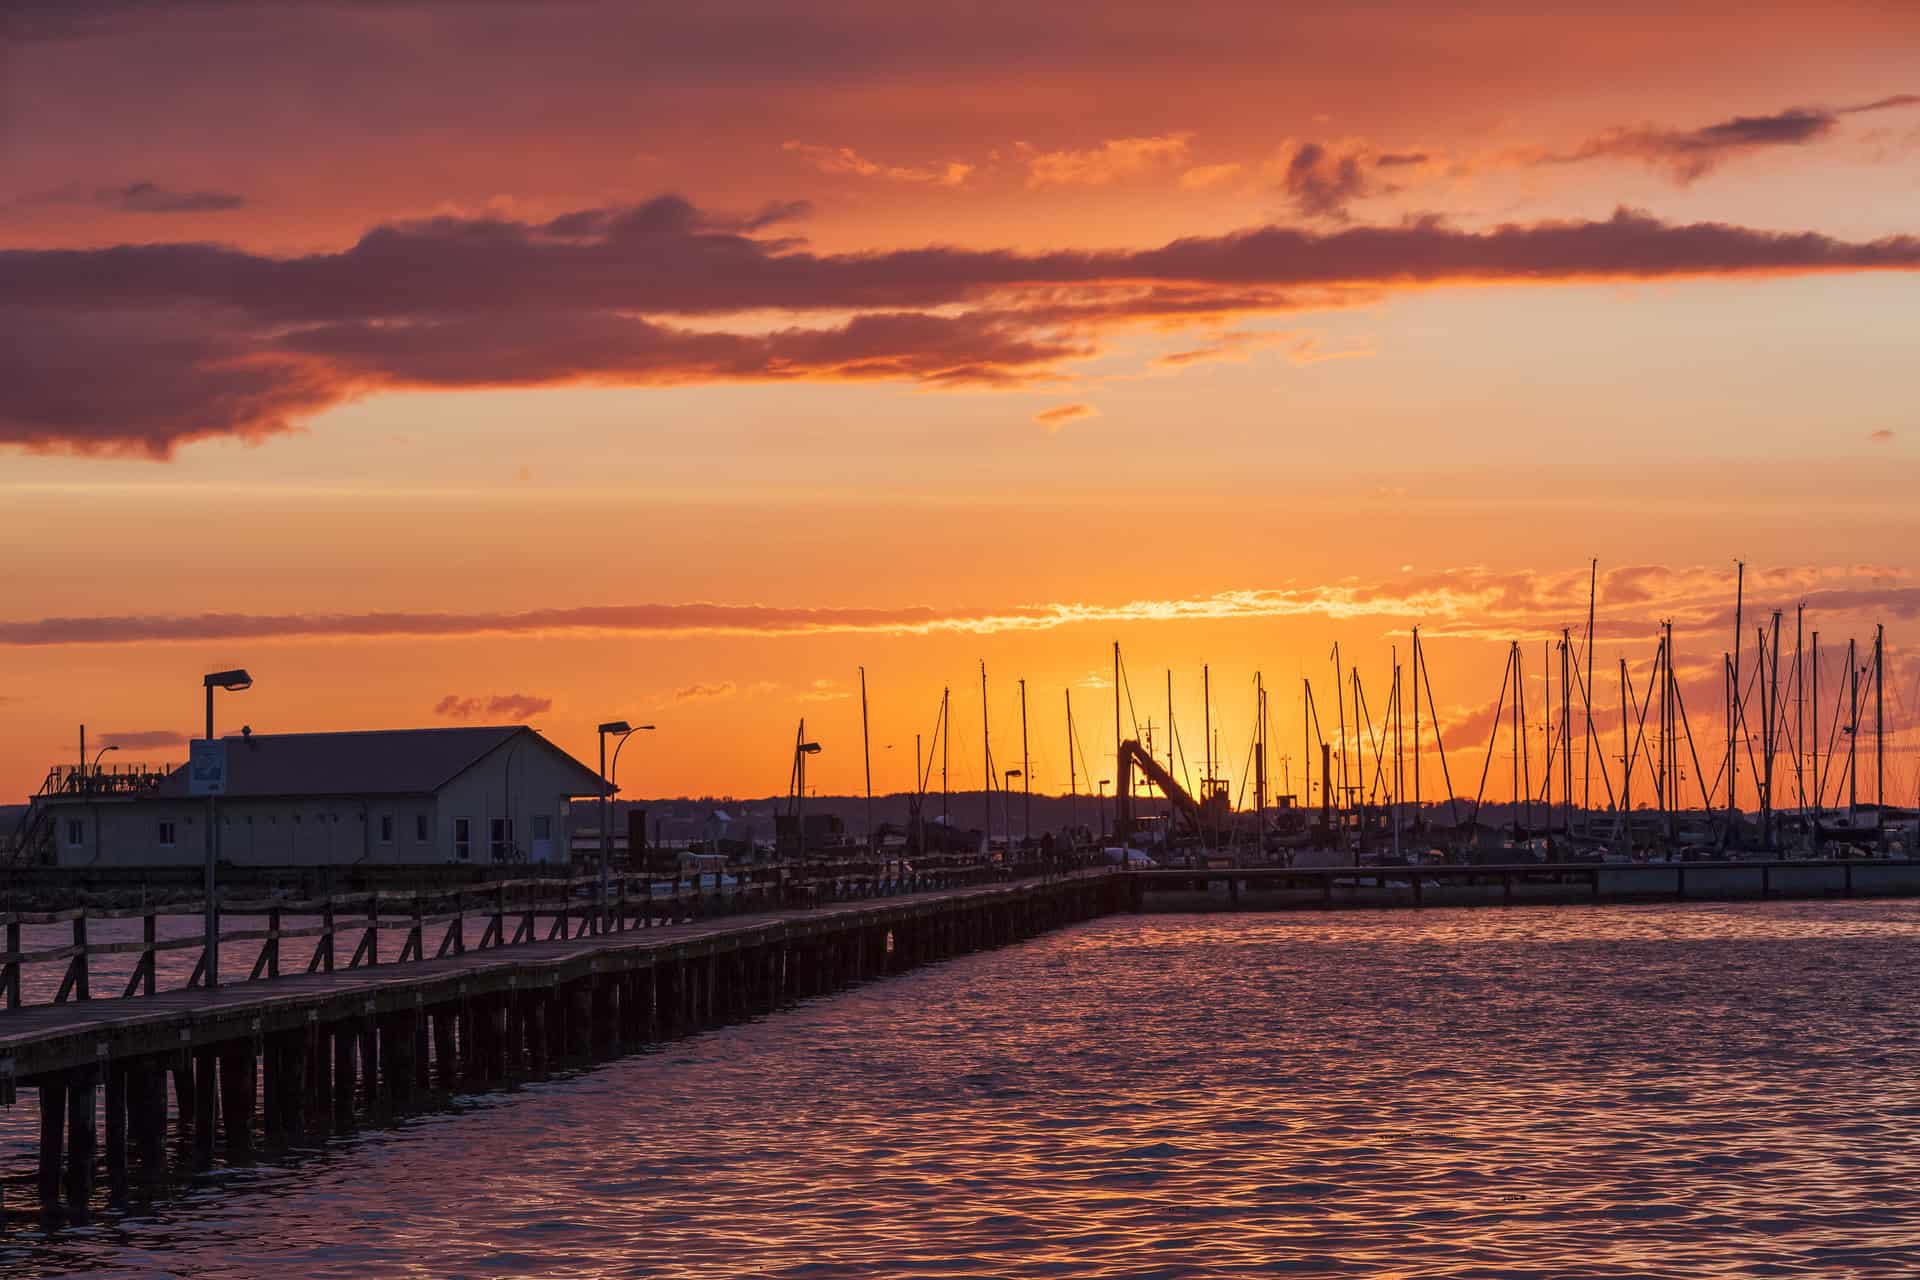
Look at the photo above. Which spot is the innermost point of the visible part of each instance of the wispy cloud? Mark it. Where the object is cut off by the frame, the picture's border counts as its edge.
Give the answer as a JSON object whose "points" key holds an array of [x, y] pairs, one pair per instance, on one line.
{"points": [[824, 690], [1240, 344], [145, 739], [1205, 177], [845, 160], [514, 706], [1111, 161], [703, 691], [138, 197], [1470, 600], [1687, 155], [1060, 415]]}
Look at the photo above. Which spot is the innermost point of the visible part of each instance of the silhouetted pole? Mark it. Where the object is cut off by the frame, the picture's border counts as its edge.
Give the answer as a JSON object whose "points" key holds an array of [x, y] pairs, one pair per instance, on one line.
{"points": [[866, 756], [1073, 780], [1586, 698], [986, 758], [1879, 741], [1853, 736], [1026, 772], [1734, 716]]}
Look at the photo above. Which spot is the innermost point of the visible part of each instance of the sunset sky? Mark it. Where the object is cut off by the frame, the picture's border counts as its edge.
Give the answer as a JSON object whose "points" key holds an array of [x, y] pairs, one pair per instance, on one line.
{"points": [[452, 363]]}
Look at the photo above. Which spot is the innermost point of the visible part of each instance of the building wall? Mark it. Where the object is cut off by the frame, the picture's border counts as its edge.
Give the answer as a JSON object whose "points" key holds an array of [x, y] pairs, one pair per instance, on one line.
{"points": [[315, 832], [524, 784]]}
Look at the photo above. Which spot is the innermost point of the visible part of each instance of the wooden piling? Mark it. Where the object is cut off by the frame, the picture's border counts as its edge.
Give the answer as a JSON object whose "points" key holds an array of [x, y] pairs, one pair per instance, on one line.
{"points": [[344, 1038], [53, 1128], [81, 1141], [205, 1109], [116, 1101], [236, 1098]]}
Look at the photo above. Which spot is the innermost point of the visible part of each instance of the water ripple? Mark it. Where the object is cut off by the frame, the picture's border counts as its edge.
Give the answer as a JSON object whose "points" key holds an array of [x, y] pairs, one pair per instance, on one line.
{"points": [[1635, 1091]]}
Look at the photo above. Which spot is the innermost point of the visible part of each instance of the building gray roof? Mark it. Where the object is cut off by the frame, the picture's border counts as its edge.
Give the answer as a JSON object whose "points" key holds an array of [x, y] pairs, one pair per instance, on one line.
{"points": [[368, 762]]}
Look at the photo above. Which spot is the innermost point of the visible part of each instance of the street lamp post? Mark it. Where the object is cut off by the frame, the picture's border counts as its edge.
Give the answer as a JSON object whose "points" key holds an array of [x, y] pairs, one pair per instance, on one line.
{"points": [[235, 681], [94, 772], [621, 730], [801, 750]]}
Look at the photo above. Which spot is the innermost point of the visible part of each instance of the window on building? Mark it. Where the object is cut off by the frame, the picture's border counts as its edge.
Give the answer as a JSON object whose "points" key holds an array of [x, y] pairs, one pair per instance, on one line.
{"points": [[500, 839], [166, 833], [542, 827], [76, 833], [420, 828], [386, 828], [462, 839]]}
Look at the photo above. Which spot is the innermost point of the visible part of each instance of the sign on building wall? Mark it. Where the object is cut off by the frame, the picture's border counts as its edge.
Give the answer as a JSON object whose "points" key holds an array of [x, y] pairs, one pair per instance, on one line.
{"points": [[206, 767]]}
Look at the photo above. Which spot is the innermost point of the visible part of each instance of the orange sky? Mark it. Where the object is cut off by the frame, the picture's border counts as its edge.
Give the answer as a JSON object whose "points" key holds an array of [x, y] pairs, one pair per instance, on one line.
{"points": [[452, 352]]}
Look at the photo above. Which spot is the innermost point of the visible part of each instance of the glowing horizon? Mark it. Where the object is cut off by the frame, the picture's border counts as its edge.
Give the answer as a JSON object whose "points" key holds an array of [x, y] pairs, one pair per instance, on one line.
{"points": [[605, 360]]}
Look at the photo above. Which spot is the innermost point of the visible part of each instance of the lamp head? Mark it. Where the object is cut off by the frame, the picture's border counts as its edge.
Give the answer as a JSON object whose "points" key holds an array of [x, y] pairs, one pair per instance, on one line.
{"points": [[616, 726], [810, 748], [233, 681]]}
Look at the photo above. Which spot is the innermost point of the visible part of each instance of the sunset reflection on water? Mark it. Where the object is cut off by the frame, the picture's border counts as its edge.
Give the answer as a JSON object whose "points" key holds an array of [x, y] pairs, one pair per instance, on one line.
{"points": [[1608, 1091]]}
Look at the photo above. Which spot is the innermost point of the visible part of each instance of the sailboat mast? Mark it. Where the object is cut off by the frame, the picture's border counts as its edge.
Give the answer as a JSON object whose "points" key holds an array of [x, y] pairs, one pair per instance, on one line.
{"points": [[1853, 732], [1626, 762], [1399, 779], [1344, 795], [1117, 770], [1799, 708], [1171, 767], [1259, 765], [1770, 739], [1879, 741], [1416, 724], [986, 761], [1513, 671], [1206, 750], [1734, 716], [1819, 775], [1546, 727], [1026, 772], [1073, 779], [1586, 698], [866, 756], [1306, 741], [1566, 722], [946, 743]]}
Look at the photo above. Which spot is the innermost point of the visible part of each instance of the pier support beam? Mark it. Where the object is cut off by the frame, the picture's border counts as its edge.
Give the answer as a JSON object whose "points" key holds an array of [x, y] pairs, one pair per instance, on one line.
{"points": [[236, 1098], [116, 1133], [205, 1110], [53, 1129], [81, 1141]]}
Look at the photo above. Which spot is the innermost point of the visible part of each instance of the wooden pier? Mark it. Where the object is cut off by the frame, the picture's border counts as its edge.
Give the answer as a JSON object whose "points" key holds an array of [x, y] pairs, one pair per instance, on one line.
{"points": [[160, 1082], [277, 1061]]}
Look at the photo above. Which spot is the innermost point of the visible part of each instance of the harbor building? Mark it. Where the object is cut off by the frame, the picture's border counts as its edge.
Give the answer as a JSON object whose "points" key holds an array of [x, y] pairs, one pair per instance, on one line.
{"points": [[468, 795]]}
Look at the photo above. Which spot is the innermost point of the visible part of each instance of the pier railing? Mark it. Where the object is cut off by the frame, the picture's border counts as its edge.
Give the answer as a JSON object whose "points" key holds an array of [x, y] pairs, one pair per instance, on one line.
{"points": [[347, 930]]}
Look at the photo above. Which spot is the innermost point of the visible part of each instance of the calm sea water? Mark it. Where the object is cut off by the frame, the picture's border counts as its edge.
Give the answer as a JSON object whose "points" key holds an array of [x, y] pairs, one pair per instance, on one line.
{"points": [[1615, 1091]]}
